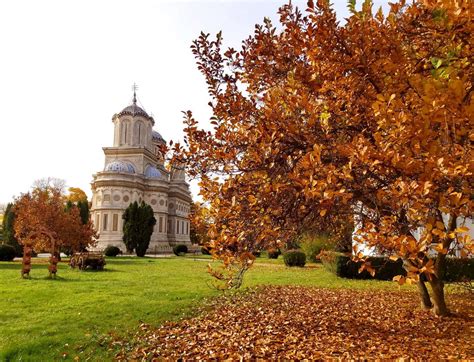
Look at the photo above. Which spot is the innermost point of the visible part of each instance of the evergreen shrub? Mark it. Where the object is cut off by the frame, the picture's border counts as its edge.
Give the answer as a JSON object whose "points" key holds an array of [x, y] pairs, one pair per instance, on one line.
{"points": [[7, 252], [294, 258], [205, 251], [111, 250], [180, 249], [273, 253], [457, 269]]}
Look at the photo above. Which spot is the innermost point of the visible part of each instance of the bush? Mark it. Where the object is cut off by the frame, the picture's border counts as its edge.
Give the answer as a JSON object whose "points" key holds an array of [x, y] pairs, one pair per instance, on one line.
{"points": [[205, 251], [273, 253], [111, 250], [312, 245], [294, 258], [458, 270], [180, 249], [329, 260], [385, 269], [7, 252], [256, 254]]}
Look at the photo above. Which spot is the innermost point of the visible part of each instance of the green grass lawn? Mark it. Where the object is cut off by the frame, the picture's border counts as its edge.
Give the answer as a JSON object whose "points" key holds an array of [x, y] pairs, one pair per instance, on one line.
{"points": [[43, 319]]}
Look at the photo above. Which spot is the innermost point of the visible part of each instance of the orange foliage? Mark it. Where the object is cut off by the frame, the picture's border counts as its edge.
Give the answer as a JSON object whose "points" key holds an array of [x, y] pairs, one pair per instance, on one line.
{"points": [[300, 323], [76, 194], [320, 120], [41, 216]]}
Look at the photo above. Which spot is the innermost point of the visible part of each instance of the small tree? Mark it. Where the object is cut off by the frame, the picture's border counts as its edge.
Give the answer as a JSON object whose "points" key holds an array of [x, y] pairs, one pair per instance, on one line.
{"points": [[138, 227], [316, 119], [44, 223], [83, 207], [76, 195], [199, 221]]}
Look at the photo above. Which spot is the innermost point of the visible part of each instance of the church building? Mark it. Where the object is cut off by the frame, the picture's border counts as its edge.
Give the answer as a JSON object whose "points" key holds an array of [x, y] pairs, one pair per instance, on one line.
{"points": [[134, 170]]}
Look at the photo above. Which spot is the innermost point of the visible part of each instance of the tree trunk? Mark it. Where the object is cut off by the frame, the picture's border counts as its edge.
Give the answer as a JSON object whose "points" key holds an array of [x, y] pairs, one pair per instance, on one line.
{"points": [[436, 282], [437, 286], [424, 295]]}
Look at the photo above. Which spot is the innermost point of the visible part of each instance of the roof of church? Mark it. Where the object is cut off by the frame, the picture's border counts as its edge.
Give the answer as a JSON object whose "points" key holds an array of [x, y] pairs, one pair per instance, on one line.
{"points": [[134, 110], [157, 137]]}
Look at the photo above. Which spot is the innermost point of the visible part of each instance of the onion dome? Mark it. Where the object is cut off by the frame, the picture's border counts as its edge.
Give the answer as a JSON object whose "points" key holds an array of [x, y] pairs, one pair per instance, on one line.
{"points": [[120, 166], [134, 110], [152, 172], [156, 136]]}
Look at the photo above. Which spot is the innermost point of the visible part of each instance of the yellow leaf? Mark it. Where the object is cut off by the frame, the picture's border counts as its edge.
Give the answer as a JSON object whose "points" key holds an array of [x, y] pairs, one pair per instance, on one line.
{"points": [[400, 279], [252, 200], [461, 229], [322, 212]]}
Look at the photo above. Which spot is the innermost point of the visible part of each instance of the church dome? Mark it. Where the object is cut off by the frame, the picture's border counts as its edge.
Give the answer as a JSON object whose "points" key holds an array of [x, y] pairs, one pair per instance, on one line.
{"points": [[120, 166], [134, 110], [152, 172], [157, 137]]}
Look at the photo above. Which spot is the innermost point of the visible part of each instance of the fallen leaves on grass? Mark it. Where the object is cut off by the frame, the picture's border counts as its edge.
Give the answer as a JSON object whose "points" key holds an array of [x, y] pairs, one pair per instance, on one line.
{"points": [[300, 322]]}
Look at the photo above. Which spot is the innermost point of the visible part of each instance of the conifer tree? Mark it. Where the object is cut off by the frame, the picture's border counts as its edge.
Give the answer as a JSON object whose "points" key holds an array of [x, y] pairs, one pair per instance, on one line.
{"points": [[138, 227], [8, 231]]}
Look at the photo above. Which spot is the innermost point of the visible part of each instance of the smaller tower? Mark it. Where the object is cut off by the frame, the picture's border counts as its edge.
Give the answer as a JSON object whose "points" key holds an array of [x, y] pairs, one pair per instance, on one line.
{"points": [[133, 126]]}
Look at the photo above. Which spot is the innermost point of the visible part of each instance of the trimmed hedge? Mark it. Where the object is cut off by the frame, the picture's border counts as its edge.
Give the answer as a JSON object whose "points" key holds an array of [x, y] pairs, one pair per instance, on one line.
{"points": [[459, 269], [294, 258], [7, 252], [111, 250], [385, 269], [180, 249], [273, 253]]}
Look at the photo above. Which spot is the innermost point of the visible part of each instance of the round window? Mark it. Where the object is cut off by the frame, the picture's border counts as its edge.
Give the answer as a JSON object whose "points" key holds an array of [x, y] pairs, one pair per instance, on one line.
{"points": [[162, 202], [126, 198]]}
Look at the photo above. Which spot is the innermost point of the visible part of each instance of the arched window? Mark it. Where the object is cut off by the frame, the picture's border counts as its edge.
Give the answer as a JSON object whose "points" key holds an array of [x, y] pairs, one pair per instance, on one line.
{"points": [[124, 133], [139, 133]]}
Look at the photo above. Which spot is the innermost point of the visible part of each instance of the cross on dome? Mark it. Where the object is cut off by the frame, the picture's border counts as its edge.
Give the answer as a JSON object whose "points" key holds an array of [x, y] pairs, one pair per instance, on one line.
{"points": [[134, 88]]}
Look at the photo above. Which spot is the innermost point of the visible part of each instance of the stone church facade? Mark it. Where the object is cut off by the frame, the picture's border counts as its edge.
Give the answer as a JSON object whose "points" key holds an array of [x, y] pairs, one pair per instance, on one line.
{"points": [[134, 170]]}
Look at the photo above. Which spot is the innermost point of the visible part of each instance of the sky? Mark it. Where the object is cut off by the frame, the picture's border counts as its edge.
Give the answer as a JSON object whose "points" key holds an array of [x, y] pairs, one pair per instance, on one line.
{"points": [[67, 66]]}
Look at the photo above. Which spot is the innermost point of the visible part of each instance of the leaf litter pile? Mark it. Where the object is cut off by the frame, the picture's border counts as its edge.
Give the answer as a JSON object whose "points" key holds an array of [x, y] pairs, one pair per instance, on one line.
{"points": [[301, 322]]}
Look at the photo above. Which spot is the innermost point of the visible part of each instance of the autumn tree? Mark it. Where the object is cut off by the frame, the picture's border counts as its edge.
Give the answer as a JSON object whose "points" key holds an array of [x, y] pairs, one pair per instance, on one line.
{"points": [[43, 222], [81, 208], [199, 224], [138, 224], [75, 195], [318, 121]]}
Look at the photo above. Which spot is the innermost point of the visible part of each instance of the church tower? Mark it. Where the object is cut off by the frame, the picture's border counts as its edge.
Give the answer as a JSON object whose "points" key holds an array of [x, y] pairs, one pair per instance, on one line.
{"points": [[134, 170]]}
